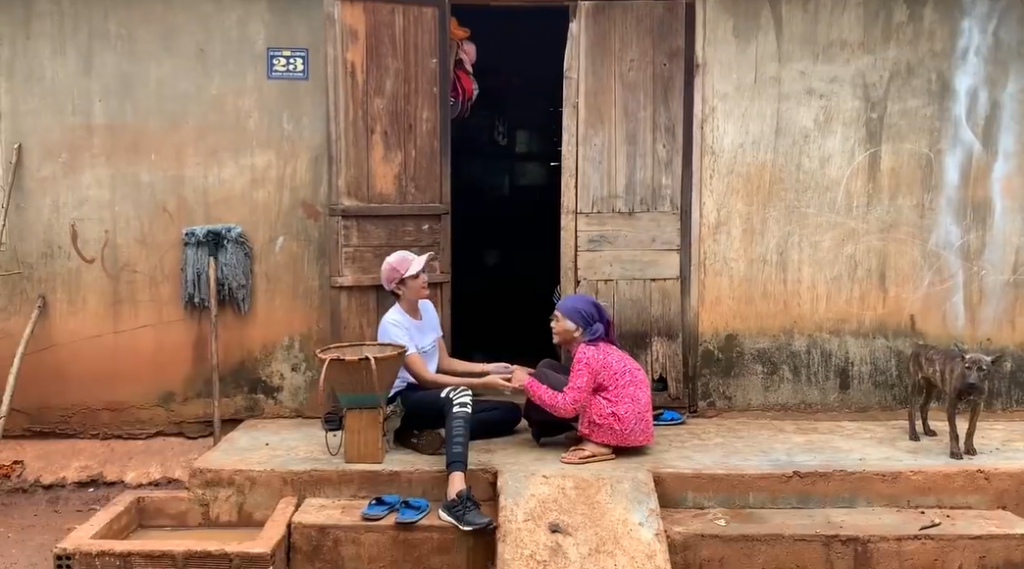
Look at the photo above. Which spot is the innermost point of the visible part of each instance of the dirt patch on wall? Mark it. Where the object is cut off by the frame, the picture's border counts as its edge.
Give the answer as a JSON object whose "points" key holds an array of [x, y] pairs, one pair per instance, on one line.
{"points": [[823, 372], [190, 419], [277, 382], [27, 464], [281, 375]]}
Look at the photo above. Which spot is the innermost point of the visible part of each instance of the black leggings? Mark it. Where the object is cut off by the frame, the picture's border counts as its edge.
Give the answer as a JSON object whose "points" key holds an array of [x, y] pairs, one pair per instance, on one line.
{"points": [[463, 417], [543, 423]]}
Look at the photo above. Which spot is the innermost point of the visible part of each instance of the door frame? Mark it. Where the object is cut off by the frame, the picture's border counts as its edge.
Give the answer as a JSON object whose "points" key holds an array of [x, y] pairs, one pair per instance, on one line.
{"points": [[691, 265], [690, 212]]}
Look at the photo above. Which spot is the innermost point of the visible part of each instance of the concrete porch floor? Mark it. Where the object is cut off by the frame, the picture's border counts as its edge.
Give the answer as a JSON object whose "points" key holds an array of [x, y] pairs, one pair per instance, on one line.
{"points": [[708, 463], [705, 446]]}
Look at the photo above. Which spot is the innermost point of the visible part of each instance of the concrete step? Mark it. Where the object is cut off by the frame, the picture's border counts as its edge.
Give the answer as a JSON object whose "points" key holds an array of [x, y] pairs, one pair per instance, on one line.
{"points": [[844, 538], [601, 516], [328, 534]]}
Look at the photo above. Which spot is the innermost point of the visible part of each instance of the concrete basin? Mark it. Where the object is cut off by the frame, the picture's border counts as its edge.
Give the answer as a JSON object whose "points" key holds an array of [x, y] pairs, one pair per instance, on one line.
{"points": [[171, 529]]}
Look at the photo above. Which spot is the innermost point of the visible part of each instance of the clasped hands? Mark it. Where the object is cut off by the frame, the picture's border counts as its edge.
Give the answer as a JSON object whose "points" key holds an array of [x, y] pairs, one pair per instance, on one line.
{"points": [[506, 377]]}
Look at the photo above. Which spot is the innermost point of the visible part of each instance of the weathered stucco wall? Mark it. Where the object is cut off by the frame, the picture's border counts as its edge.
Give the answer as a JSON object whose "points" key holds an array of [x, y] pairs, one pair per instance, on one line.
{"points": [[138, 118], [861, 166]]}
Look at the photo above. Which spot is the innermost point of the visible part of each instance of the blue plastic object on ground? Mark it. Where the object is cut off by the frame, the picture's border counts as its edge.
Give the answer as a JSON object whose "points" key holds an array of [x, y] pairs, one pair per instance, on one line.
{"points": [[379, 507], [412, 510], [665, 417]]}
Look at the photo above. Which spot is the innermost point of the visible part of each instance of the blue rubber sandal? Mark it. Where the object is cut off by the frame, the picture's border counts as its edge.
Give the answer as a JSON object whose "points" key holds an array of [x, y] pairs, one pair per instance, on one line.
{"points": [[412, 510], [665, 417], [380, 507]]}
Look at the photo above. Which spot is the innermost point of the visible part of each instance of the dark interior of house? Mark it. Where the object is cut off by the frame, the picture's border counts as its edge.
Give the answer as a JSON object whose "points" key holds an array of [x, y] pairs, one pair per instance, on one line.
{"points": [[505, 188]]}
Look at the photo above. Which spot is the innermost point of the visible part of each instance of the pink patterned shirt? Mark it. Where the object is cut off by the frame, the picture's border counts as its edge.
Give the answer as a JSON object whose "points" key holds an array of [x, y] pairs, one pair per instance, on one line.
{"points": [[608, 390]]}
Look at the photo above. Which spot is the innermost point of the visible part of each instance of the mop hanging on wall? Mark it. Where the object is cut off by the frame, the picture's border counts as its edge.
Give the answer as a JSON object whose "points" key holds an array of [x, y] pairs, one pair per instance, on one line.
{"points": [[231, 252], [216, 264], [464, 88]]}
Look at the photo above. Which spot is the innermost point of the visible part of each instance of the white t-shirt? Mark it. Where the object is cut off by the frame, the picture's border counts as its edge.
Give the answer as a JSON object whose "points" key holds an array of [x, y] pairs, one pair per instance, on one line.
{"points": [[418, 336]]}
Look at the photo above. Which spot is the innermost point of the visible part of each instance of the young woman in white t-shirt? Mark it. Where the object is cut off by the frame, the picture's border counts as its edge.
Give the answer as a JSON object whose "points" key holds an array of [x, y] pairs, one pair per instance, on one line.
{"points": [[434, 390]]}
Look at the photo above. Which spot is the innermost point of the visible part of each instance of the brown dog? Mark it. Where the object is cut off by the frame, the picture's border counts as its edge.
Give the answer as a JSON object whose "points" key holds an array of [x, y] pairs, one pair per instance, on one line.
{"points": [[961, 376]]}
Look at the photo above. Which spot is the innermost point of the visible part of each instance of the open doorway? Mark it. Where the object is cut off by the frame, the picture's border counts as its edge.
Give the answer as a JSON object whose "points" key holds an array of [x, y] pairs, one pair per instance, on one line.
{"points": [[506, 185]]}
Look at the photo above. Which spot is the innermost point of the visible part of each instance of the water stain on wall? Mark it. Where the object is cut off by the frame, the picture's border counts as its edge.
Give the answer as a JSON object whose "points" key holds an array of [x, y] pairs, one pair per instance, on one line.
{"points": [[977, 228]]}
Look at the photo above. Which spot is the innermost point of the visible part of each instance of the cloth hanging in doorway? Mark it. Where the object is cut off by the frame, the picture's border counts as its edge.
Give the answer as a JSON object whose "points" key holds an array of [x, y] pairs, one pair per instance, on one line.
{"points": [[467, 53], [464, 88], [463, 92]]}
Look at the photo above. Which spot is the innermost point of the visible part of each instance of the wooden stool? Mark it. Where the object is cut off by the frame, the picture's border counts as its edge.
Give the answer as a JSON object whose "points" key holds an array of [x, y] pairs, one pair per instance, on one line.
{"points": [[364, 436]]}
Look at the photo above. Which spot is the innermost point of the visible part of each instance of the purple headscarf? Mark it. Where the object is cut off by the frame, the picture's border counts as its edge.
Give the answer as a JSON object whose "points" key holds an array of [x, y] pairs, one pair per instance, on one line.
{"points": [[587, 313]]}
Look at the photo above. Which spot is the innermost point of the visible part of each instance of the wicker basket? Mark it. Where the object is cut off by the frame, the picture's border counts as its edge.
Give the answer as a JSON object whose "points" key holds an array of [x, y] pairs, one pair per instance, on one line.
{"points": [[358, 375]]}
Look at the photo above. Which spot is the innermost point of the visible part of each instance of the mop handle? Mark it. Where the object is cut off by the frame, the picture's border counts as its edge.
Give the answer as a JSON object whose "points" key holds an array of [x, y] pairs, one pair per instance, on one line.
{"points": [[214, 355]]}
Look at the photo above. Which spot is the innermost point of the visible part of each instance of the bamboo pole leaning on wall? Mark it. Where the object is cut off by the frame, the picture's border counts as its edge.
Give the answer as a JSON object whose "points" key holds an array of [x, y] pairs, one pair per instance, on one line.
{"points": [[8, 189], [12, 377]]}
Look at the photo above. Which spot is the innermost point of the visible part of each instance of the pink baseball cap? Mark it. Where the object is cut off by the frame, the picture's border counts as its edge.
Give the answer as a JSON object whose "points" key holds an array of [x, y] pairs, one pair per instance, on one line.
{"points": [[402, 264]]}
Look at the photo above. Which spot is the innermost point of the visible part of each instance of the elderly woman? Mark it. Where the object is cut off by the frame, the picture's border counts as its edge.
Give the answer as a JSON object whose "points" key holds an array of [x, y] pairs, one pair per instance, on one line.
{"points": [[606, 393]]}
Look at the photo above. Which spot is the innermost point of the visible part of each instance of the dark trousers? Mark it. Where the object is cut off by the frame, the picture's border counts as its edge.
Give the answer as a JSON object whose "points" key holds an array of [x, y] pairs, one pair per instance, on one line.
{"points": [[544, 424], [463, 418]]}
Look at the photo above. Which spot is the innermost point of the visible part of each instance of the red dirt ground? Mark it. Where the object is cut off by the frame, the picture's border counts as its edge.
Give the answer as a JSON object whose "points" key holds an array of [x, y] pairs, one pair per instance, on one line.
{"points": [[32, 522], [50, 486]]}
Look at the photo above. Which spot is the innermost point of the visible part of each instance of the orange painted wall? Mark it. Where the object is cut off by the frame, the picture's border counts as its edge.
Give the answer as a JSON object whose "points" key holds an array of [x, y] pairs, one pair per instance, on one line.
{"points": [[138, 119]]}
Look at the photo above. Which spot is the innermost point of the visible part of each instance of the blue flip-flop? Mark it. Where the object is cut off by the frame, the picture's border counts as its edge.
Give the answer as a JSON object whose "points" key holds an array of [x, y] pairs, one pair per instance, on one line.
{"points": [[379, 507], [667, 417], [412, 510]]}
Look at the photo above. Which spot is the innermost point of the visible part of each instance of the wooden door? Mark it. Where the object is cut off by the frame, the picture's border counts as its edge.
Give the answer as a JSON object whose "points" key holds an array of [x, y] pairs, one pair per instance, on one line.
{"points": [[390, 152], [625, 214]]}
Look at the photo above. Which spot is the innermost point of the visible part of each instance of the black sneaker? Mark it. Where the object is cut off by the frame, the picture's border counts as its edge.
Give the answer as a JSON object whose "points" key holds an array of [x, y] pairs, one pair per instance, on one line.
{"points": [[464, 512]]}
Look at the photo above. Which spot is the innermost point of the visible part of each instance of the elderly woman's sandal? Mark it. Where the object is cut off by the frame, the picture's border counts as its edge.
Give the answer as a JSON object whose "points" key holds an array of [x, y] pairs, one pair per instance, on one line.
{"points": [[588, 456]]}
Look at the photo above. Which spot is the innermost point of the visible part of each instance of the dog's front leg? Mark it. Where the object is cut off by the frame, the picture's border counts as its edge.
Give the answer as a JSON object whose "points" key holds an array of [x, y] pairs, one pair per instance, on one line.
{"points": [[954, 437], [911, 396], [971, 426]]}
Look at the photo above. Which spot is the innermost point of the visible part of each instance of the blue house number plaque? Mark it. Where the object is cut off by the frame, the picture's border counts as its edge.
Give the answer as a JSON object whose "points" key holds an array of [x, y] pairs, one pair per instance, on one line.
{"points": [[290, 63]]}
